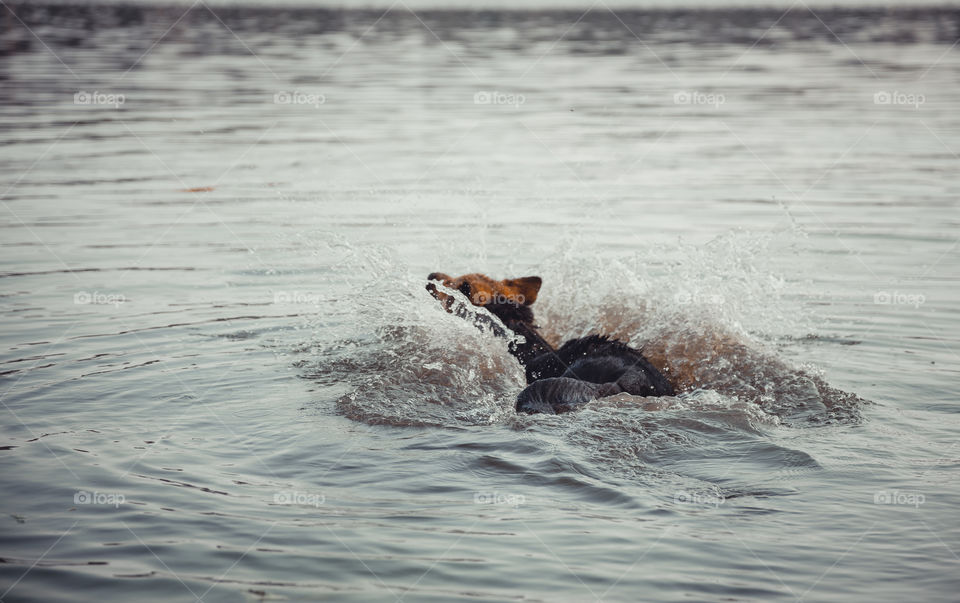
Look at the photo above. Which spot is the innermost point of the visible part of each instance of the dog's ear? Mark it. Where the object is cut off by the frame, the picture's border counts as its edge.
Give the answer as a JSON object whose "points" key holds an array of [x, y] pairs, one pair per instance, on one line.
{"points": [[525, 288]]}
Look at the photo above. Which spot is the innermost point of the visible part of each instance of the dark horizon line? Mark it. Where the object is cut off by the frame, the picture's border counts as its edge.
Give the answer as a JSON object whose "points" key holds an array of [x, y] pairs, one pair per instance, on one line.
{"points": [[695, 6]]}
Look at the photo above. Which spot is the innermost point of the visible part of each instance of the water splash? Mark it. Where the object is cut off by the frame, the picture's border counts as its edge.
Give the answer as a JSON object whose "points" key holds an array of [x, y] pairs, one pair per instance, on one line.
{"points": [[410, 363]]}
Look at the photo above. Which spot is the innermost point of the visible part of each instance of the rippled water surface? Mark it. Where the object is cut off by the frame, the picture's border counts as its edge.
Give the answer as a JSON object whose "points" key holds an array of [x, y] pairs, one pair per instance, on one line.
{"points": [[222, 378]]}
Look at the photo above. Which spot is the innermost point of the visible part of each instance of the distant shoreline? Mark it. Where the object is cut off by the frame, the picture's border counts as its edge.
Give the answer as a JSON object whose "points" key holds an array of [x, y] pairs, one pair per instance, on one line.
{"points": [[530, 6]]}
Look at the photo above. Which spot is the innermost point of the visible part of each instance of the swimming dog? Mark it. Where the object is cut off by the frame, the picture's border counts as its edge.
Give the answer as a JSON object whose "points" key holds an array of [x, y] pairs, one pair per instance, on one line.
{"points": [[562, 379]]}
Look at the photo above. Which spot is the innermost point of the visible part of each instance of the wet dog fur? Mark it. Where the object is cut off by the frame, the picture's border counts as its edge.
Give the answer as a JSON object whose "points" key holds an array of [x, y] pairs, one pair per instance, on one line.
{"points": [[562, 379]]}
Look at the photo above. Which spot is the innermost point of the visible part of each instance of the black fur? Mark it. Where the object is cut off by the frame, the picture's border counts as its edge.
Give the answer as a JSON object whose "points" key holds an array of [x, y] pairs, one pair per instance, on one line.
{"points": [[561, 394], [581, 370], [599, 359], [519, 319]]}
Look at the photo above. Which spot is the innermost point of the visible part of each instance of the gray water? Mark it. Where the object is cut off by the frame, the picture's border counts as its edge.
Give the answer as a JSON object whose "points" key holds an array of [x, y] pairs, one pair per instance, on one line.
{"points": [[222, 378]]}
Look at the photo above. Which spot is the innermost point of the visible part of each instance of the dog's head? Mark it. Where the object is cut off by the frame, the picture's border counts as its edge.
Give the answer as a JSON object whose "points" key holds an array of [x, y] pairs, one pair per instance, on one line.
{"points": [[482, 290], [508, 299]]}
